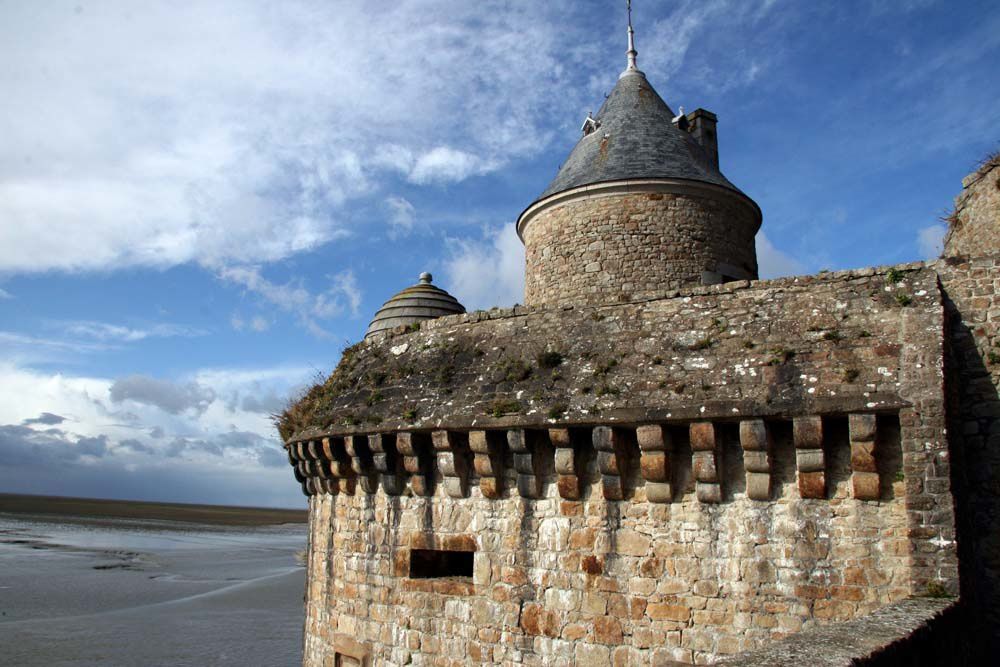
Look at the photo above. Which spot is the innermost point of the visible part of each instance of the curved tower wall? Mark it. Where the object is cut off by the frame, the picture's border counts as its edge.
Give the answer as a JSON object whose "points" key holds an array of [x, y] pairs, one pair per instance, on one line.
{"points": [[974, 226], [633, 240]]}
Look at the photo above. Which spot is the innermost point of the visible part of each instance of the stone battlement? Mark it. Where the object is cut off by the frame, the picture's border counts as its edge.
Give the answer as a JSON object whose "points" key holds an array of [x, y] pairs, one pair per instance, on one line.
{"points": [[856, 341], [677, 478]]}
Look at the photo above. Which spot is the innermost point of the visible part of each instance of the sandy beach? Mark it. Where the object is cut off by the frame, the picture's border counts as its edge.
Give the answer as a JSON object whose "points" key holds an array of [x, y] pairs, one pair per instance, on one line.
{"points": [[104, 590]]}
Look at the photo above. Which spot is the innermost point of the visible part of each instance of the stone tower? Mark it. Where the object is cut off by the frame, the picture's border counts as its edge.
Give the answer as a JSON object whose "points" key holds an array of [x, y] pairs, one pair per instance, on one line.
{"points": [[639, 207]]}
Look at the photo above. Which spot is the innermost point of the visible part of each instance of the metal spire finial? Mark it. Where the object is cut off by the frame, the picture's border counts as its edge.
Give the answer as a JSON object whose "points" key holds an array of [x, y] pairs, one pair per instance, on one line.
{"points": [[631, 53]]}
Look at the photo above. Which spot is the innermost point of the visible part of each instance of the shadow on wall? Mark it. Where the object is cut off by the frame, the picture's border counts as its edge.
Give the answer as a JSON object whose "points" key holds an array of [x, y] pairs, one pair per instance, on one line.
{"points": [[974, 438]]}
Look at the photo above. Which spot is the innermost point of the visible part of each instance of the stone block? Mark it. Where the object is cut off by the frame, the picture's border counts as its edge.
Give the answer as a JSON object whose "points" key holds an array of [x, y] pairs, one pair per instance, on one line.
{"points": [[865, 485], [631, 543], [569, 487], [702, 436], [668, 612], [708, 493], [611, 486], [421, 485], [479, 442], [807, 432], [652, 438], [862, 427], [453, 487], [590, 655], [809, 460], [759, 486], [491, 487], [655, 466], [446, 464], [486, 466], [560, 438], [603, 438], [754, 435], [756, 461], [704, 467], [812, 484], [863, 457], [607, 462], [565, 461], [607, 630], [659, 492]]}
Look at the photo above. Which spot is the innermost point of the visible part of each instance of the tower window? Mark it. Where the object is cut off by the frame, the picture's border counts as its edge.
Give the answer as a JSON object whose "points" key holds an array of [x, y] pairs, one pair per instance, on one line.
{"points": [[436, 564]]}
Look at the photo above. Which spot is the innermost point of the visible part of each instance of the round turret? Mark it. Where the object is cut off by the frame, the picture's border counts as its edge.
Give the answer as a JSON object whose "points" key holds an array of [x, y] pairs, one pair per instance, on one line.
{"points": [[638, 208], [422, 301]]}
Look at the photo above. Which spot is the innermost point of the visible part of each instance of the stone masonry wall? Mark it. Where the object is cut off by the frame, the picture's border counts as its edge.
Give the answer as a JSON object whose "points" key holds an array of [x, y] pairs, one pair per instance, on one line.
{"points": [[972, 288], [676, 479], [596, 582], [974, 226], [633, 245]]}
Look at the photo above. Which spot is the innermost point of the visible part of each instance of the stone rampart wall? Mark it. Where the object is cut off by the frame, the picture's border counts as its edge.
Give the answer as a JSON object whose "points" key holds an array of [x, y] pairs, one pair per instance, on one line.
{"points": [[974, 226], [865, 340], [633, 245], [917, 632], [972, 290], [677, 479]]}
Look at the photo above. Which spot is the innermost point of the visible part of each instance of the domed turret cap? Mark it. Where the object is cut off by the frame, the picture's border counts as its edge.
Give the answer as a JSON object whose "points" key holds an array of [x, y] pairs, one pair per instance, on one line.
{"points": [[422, 301]]}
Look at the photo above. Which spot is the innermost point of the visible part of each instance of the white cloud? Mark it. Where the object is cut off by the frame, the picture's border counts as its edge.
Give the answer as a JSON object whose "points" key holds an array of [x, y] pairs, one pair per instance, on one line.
{"points": [[104, 331], [15, 342], [171, 397], [259, 324], [487, 272], [342, 296], [930, 240], [213, 420], [4, 294], [444, 164], [232, 133], [773, 263], [401, 216]]}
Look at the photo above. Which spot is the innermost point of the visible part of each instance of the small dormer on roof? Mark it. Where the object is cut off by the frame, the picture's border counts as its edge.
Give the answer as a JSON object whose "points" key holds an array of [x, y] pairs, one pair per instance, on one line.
{"points": [[680, 121], [419, 302]]}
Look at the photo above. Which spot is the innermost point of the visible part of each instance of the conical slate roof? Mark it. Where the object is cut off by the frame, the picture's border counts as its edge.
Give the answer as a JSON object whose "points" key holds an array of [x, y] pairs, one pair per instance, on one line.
{"points": [[422, 301], [635, 139]]}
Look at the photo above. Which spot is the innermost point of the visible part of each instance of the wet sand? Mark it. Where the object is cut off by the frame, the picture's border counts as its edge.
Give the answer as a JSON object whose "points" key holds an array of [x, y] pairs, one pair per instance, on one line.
{"points": [[129, 591], [224, 515]]}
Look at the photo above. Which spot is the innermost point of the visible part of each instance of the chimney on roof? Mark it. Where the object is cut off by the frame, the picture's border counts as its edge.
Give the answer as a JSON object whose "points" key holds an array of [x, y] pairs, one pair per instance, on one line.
{"points": [[701, 124]]}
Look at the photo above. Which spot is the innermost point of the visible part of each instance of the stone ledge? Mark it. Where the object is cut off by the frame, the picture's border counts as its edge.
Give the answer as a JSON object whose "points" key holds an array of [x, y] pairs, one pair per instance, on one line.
{"points": [[519, 310], [849, 643]]}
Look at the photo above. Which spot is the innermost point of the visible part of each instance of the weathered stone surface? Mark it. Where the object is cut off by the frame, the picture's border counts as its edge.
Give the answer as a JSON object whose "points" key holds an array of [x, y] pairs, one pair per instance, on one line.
{"points": [[702, 436], [808, 432], [863, 456], [972, 228], [758, 486], [720, 571], [755, 461], [754, 435], [862, 427], [810, 460], [865, 485], [634, 245], [812, 485]]}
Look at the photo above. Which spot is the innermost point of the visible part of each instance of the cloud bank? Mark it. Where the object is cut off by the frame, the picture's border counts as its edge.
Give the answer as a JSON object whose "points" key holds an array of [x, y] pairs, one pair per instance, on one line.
{"points": [[234, 133]]}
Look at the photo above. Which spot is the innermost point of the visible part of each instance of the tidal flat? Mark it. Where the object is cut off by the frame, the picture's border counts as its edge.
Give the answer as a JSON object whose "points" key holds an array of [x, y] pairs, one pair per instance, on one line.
{"points": [[111, 590]]}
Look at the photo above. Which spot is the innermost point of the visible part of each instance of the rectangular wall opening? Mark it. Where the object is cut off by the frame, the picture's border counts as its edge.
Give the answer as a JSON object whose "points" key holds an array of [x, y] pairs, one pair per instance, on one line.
{"points": [[437, 564]]}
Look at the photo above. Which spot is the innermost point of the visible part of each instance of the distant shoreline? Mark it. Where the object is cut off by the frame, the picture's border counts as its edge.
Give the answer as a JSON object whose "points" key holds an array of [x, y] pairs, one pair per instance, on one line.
{"points": [[223, 515]]}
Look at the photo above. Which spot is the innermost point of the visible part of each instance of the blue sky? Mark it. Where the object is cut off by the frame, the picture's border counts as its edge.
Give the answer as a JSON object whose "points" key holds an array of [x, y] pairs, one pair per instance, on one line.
{"points": [[202, 203]]}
